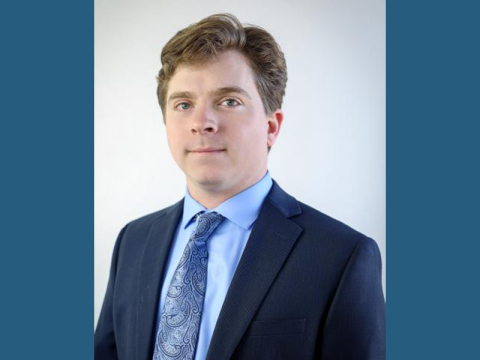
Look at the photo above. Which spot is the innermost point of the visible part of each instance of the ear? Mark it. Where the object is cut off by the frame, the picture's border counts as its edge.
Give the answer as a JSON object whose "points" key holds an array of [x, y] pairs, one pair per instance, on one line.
{"points": [[275, 120]]}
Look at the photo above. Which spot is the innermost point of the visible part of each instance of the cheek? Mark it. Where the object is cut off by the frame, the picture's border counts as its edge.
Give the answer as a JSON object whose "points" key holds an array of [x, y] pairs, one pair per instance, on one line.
{"points": [[252, 138], [174, 142]]}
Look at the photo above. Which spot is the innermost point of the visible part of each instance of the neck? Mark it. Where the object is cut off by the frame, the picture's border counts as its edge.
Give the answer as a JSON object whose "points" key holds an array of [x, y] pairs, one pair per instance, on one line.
{"points": [[211, 197]]}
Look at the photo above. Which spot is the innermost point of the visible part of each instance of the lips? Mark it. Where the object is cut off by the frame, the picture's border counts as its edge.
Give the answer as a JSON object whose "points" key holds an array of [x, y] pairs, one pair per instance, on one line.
{"points": [[206, 150]]}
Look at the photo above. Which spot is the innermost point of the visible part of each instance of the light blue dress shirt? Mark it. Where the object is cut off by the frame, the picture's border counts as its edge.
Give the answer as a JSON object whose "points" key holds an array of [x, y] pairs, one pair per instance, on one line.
{"points": [[225, 247]]}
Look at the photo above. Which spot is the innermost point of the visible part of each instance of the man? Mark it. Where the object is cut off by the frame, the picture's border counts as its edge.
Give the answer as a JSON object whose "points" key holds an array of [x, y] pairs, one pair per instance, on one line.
{"points": [[238, 269]]}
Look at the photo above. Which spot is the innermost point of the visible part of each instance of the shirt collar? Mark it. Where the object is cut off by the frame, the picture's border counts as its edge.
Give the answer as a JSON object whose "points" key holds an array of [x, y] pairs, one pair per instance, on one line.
{"points": [[242, 209]]}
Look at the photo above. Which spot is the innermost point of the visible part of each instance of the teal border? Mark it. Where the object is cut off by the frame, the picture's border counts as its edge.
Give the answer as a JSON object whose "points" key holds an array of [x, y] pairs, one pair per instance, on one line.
{"points": [[46, 147], [432, 180]]}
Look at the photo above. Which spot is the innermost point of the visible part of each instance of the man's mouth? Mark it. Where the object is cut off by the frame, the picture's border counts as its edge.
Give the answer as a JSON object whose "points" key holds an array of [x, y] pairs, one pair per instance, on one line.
{"points": [[207, 150]]}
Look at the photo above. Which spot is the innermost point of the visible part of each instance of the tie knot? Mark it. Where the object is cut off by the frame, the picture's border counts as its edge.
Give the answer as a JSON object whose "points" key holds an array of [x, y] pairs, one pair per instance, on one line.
{"points": [[207, 223]]}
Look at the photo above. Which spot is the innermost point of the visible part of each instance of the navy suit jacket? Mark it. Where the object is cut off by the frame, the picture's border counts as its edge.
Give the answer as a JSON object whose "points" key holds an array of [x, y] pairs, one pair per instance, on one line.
{"points": [[307, 287]]}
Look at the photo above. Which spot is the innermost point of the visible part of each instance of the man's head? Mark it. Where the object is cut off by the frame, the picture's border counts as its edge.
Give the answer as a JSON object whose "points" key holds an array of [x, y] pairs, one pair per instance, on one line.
{"points": [[221, 89], [205, 40]]}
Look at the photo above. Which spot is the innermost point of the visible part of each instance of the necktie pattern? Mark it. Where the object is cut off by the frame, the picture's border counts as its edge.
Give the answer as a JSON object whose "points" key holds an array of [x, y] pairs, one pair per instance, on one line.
{"points": [[180, 321]]}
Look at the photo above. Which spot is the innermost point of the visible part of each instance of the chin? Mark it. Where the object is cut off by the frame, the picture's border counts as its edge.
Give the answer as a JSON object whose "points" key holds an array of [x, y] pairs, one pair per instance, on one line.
{"points": [[210, 179]]}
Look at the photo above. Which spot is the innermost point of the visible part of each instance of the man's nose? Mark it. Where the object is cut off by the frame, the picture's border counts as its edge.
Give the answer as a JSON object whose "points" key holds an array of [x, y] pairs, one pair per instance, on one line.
{"points": [[204, 121]]}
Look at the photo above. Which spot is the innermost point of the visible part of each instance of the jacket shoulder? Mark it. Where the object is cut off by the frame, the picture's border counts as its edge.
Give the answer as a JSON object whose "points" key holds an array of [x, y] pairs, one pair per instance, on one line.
{"points": [[135, 233], [145, 222], [322, 226]]}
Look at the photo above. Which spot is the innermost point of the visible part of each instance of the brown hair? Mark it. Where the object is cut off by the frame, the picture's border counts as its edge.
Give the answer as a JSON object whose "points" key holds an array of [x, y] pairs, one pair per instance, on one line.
{"points": [[209, 37]]}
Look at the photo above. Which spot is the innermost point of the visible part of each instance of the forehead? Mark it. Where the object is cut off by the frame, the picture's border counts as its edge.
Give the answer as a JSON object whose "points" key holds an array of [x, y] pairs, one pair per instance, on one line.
{"points": [[230, 68]]}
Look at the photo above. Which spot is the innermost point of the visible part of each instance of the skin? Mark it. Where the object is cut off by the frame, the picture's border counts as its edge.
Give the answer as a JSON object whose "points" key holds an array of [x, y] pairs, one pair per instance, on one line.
{"points": [[217, 129]]}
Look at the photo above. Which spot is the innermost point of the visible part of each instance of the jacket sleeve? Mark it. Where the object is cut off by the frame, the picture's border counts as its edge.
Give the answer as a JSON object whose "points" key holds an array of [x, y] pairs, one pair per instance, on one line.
{"points": [[355, 327], [104, 340]]}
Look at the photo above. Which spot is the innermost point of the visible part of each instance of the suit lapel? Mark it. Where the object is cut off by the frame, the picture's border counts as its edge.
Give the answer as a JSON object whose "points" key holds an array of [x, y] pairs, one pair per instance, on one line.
{"points": [[269, 245], [152, 270]]}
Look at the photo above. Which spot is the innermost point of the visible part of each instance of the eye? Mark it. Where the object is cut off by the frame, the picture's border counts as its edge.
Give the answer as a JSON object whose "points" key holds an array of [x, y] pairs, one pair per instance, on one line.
{"points": [[230, 103], [182, 106]]}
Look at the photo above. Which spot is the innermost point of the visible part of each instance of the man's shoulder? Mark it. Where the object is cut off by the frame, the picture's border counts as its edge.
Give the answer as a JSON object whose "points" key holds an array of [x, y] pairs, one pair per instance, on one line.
{"points": [[329, 241], [319, 226], [314, 216], [146, 221]]}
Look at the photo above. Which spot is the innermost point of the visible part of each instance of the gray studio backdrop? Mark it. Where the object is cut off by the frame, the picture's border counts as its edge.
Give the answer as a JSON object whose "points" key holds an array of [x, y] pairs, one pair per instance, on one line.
{"points": [[334, 128]]}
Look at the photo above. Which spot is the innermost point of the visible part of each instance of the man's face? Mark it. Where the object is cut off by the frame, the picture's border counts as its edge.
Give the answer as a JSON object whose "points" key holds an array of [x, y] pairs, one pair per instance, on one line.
{"points": [[217, 128]]}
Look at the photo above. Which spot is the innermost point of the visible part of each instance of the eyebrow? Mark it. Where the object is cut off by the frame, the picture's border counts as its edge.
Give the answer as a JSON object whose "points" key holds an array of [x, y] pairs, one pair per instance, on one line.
{"points": [[215, 93], [228, 90]]}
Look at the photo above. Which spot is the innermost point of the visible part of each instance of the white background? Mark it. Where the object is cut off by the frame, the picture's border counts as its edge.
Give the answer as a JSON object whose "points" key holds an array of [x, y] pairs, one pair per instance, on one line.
{"points": [[331, 150]]}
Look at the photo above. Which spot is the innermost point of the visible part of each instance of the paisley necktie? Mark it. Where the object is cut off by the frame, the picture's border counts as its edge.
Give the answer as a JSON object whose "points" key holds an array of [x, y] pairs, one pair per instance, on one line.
{"points": [[180, 321]]}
